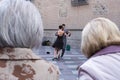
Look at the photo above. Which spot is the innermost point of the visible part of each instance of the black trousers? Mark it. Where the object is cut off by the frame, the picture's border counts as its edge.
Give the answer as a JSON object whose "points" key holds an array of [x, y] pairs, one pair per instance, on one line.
{"points": [[64, 46]]}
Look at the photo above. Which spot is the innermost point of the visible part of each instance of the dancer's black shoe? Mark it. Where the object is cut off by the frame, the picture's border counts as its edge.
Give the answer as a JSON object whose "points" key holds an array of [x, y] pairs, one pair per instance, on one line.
{"points": [[55, 59]]}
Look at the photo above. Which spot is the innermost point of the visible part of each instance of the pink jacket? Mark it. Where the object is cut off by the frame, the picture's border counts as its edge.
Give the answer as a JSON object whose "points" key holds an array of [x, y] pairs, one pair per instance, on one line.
{"points": [[105, 65], [23, 64]]}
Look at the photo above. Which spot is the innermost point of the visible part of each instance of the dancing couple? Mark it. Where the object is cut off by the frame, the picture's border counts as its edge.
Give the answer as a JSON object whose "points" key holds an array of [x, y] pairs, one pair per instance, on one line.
{"points": [[60, 42]]}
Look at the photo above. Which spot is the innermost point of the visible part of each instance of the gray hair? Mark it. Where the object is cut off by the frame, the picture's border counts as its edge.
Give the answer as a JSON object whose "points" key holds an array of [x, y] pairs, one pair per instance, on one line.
{"points": [[20, 24]]}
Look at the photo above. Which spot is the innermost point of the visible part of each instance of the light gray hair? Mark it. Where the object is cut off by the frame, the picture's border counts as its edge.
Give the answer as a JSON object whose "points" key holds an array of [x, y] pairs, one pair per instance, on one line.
{"points": [[98, 34], [20, 24]]}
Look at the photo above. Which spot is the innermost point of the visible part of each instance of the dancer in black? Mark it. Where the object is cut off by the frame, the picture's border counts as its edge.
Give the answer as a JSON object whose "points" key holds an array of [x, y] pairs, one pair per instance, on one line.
{"points": [[58, 44]]}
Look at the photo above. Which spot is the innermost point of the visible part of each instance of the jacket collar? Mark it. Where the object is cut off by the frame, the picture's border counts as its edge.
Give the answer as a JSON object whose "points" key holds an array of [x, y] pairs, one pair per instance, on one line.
{"points": [[108, 50], [17, 53]]}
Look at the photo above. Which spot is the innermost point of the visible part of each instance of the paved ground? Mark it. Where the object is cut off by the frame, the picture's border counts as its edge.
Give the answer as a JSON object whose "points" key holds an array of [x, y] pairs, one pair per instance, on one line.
{"points": [[68, 64]]}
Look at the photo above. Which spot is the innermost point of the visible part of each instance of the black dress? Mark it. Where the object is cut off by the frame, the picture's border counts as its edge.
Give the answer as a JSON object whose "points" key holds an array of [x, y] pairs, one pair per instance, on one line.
{"points": [[58, 43]]}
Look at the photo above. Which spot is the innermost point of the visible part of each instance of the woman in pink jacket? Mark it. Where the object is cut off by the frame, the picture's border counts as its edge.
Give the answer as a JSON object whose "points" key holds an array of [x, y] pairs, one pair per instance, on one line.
{"points": [[21, 30], [101, 45]]}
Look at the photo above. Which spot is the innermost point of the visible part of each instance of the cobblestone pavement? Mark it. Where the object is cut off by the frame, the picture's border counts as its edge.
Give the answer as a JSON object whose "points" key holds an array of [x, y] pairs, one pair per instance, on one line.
{"points": [[68, 65]]}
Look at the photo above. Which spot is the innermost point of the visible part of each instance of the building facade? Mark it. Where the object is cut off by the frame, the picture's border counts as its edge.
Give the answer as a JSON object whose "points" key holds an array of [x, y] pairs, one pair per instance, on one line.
{"points": [[56, 12], [75, 14]]}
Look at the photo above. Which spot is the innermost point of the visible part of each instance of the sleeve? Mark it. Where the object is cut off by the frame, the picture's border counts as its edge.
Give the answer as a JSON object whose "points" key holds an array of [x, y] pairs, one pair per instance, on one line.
{"points": [[56, 34], [84, 76], [68, 33], [54, 70], [47, 70]]}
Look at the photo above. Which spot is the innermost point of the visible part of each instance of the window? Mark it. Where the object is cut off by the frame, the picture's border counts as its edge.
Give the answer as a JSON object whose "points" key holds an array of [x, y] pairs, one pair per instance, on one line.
{"points": [[28, 0], [79, 2]]}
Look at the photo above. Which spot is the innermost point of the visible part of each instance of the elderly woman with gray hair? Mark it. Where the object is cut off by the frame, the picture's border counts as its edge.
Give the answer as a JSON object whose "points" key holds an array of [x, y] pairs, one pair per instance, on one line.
{"points": [[101, 44], [21, 30]]}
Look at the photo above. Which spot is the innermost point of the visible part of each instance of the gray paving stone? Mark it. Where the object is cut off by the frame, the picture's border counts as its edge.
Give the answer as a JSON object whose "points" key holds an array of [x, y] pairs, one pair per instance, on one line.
{"points": [[72, 66], [68, 58], [69, 62], [75, 72]]}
